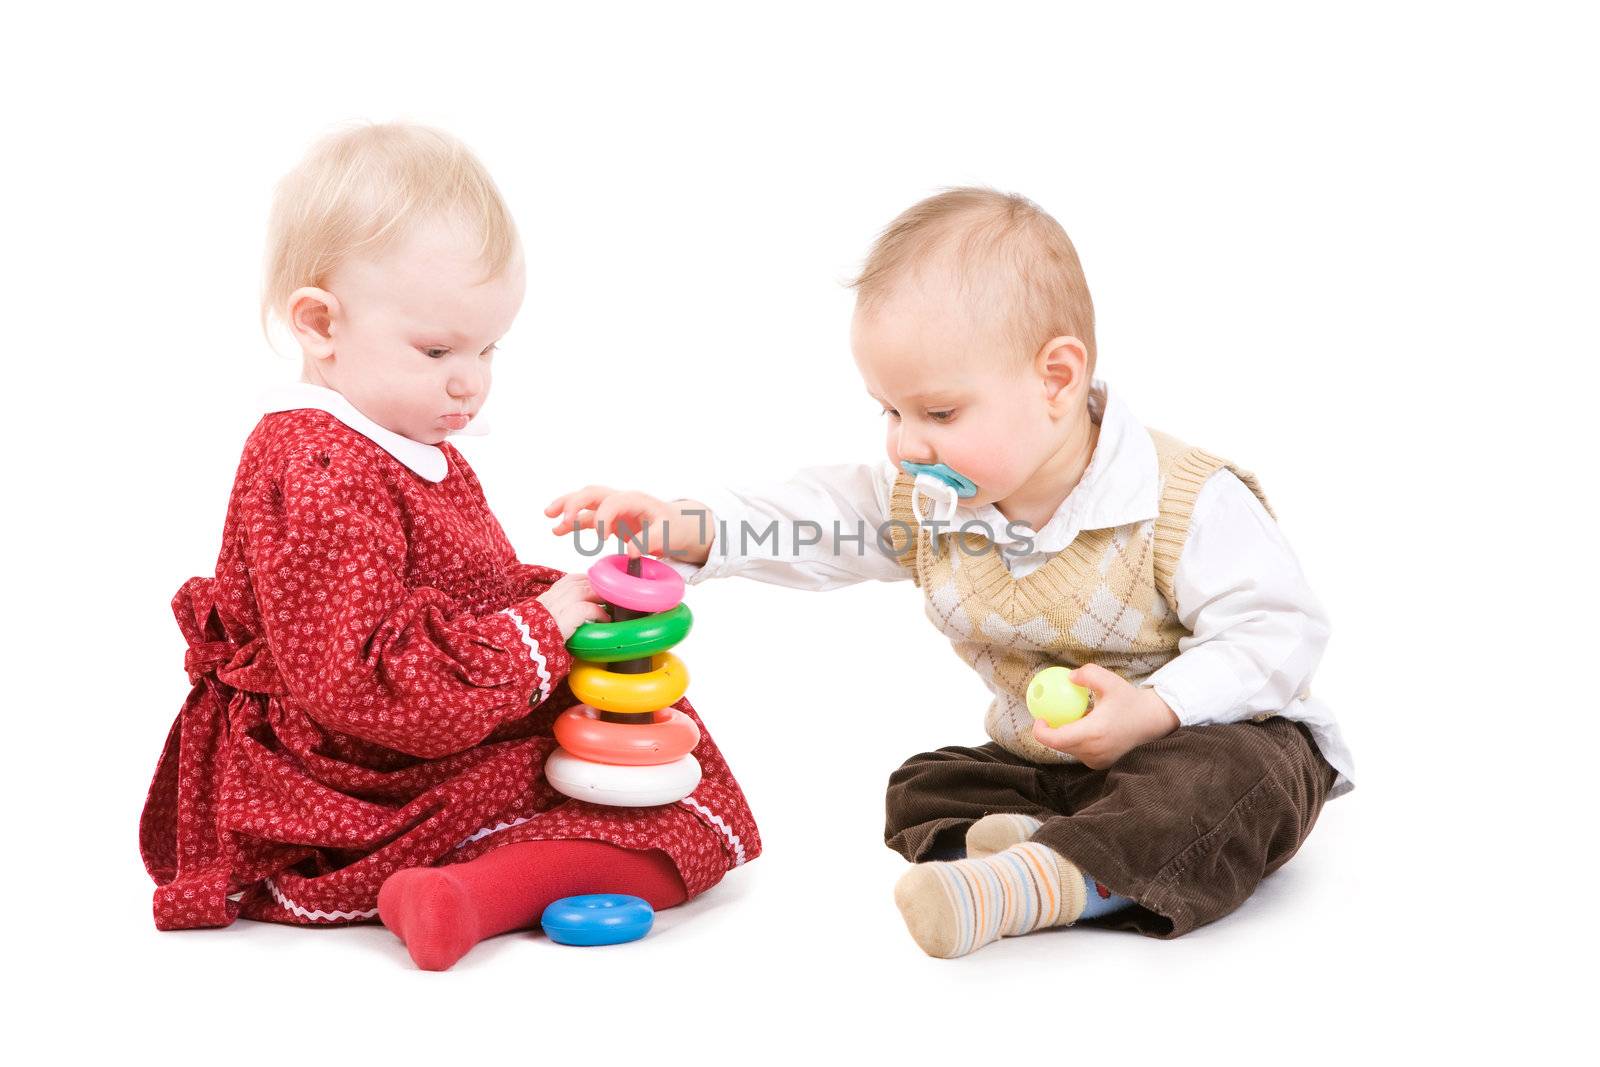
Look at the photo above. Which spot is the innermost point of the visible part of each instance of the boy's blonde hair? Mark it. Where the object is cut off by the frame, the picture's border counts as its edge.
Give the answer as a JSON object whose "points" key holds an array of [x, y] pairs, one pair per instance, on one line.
{"points": [[1000, 246], [360, 190]]}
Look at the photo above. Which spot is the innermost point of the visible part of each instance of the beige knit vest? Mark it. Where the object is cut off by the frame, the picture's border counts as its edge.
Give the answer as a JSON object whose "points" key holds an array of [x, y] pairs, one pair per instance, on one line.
{"points": [[1106, 598]]}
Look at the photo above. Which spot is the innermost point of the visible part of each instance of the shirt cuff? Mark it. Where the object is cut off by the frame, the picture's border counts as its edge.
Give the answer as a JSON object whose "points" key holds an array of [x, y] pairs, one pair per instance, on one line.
{"points": [[1198, 689], [723, 522], [691, 573]]}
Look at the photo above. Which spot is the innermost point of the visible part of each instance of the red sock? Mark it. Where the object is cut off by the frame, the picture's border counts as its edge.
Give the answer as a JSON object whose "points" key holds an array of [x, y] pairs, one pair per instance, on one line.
{"points": [[441, 912]]}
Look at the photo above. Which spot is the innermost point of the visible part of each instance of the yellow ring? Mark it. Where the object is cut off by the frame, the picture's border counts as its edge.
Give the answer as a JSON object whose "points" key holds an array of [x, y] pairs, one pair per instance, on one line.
{"points": [[607, 690]]}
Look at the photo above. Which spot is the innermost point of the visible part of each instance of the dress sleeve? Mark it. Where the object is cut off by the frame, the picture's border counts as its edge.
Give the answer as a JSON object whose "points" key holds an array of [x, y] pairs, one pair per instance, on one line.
{"points": [[369, 655], [1257, 631]]}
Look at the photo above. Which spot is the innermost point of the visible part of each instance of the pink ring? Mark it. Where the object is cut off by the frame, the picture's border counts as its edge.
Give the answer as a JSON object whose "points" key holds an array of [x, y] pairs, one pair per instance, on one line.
{"points": [[658, 587], [670, 736]]}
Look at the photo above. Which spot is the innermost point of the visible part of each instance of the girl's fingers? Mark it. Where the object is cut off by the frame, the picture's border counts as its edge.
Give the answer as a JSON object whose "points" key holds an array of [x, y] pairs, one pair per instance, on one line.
{"points": [[594, 613], [579, 589]]}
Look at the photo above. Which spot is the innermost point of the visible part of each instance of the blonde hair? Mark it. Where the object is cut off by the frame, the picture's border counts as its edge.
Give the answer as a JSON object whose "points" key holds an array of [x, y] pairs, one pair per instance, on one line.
{"points": [[1001, 244], [361, 190]]}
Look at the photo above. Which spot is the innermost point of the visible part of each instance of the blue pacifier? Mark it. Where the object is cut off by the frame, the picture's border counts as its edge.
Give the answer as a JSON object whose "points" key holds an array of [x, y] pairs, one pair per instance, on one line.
{"points": [[597, 919], [963, 485]]}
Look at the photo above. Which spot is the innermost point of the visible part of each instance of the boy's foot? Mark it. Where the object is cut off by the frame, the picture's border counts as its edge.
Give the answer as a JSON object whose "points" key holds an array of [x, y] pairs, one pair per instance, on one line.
{"points": [[996, 833], [953, 908]]}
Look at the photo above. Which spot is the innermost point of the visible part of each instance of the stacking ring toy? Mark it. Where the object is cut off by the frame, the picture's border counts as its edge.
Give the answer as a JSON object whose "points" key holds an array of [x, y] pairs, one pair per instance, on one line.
{"points": [[667, 737], [657, 587], [662, 686], [610, 642], [597, 919], [622, 786], [626, 746]]}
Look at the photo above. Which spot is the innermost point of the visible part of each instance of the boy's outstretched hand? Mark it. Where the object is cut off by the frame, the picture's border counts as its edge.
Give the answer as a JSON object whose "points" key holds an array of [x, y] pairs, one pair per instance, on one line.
{"points": [[1124, 717], [681, 529]]}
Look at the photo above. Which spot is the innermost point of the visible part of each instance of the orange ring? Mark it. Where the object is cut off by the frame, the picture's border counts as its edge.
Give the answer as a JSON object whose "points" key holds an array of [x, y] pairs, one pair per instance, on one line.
{"points": [[671, 735]]}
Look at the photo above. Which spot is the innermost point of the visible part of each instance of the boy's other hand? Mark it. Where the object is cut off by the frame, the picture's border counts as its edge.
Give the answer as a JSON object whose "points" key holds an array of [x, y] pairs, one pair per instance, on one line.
{"points": [[680, 529], [1124, 716]]}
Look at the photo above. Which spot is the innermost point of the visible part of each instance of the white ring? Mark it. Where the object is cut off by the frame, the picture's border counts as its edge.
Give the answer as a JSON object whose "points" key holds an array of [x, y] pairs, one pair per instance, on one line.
{"points": [[622, 787]]}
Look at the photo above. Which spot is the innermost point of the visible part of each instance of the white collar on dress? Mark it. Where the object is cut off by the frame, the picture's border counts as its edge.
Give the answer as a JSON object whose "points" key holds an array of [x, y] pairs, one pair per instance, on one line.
{"points": [[1121, 485], [426, 460]]}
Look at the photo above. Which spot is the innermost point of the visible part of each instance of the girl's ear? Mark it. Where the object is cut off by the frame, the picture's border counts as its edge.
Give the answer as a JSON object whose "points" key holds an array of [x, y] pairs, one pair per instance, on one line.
{"points": [[1063, 366], [310, 315]]}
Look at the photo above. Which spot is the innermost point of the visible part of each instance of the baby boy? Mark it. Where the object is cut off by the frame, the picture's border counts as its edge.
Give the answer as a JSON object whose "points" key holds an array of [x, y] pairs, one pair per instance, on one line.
{"points": [[1045, 526]]}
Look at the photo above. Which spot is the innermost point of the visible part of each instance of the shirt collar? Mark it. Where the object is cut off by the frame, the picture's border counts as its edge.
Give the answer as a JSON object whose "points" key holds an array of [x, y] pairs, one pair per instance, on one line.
{"points": [[426, 460], [1121, 485]]}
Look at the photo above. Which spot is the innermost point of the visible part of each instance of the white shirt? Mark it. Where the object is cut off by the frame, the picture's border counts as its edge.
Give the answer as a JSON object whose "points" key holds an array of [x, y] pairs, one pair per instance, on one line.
{"points": [[1257, 631]]}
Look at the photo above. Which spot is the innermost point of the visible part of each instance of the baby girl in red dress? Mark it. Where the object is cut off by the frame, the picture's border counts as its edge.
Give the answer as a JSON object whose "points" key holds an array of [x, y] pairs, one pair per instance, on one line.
{"points": [[374, 673]]}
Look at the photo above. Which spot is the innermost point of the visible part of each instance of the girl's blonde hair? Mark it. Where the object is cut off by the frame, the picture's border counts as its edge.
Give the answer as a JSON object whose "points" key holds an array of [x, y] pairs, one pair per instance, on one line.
{"points": [[362, 189]]}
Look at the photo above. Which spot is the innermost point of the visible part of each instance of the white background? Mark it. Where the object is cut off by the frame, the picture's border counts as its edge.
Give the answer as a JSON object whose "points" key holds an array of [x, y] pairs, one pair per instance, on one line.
{"points": [[1353, 249]]}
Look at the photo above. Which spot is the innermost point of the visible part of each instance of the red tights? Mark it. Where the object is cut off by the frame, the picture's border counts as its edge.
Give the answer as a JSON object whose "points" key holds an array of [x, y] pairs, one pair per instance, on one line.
{"points": [[441, 912]]}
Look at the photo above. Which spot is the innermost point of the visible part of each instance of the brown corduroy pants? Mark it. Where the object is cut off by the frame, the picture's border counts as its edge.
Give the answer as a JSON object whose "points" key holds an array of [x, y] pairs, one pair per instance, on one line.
{"points": [[1186, 826]]}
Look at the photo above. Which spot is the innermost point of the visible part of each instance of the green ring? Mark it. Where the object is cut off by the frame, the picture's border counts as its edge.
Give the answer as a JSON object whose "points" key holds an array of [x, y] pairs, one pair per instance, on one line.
{"points": [[608, 642]]}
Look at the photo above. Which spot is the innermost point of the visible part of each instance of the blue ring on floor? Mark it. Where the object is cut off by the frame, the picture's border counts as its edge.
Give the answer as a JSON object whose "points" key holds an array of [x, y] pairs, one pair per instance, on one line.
{"points": [[597, 919]]}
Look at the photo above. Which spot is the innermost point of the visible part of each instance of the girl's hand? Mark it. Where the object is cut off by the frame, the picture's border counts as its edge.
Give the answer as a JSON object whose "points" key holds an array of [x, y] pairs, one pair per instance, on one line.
{"points": [[1124, 716], [571, 601], [681, 529]]}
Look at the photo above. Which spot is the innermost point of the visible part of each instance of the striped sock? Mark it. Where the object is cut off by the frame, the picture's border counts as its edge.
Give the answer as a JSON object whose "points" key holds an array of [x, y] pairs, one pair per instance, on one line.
{"points": [[998, 832], [952, 909]]}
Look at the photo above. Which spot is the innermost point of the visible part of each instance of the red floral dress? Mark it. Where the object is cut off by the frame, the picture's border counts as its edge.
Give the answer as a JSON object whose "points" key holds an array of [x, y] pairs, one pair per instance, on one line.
{"points": [[373, 687]]}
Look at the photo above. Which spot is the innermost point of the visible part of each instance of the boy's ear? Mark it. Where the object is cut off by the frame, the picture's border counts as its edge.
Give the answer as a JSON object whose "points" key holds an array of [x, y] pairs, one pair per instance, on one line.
{"points": [[310, 315], [1063, 366]]}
